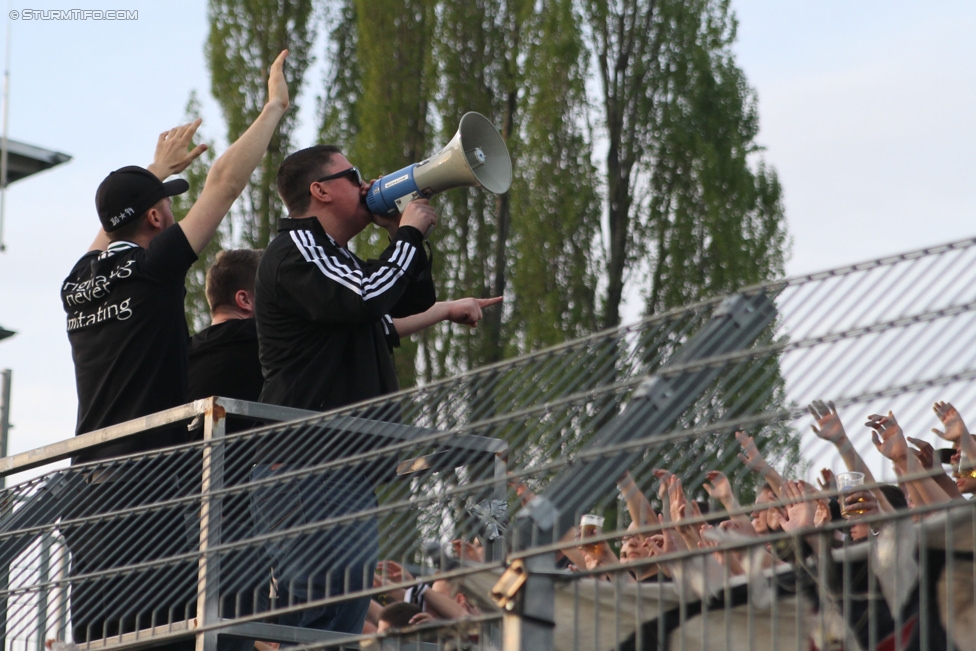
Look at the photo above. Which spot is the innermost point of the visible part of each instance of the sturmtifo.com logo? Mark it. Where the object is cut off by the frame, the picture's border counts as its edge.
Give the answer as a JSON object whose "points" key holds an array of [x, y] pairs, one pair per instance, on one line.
{"points": [[74, 14]]}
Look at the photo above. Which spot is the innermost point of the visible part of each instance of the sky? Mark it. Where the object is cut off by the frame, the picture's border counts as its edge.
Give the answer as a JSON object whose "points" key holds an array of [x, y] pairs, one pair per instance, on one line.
{"points": [[865, 113]]}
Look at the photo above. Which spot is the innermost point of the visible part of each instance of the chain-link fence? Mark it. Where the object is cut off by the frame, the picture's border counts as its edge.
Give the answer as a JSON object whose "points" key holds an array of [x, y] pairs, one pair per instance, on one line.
{"points": [[464, 498]]}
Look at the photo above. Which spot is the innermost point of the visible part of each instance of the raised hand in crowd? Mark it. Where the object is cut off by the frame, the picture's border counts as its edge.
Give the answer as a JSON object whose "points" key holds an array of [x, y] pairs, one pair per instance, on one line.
{"points": [[719, 488], [391, 573], [638, 505], [889, 440], [710, 540], [829, 428], [681, 511], [801, 508], [826, 480], [955, 429], [925, 454], [754, 461]]}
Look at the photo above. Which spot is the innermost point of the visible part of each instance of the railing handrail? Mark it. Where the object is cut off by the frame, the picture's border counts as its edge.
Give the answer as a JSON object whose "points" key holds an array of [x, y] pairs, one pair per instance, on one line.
{"points": [[220, 407]]}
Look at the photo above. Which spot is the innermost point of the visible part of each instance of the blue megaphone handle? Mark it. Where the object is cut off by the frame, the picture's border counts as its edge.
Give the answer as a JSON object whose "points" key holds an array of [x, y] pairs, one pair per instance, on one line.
{"points": [[382, 197]]}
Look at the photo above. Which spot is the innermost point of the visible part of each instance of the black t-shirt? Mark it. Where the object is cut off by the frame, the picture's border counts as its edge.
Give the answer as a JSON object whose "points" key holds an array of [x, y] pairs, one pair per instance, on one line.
{"points": [[128, 334], [224, 361]]}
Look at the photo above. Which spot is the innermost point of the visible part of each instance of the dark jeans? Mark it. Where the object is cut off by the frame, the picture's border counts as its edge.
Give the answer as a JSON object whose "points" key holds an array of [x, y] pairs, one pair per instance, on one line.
{"points": [[326, 562], [124, 601]]}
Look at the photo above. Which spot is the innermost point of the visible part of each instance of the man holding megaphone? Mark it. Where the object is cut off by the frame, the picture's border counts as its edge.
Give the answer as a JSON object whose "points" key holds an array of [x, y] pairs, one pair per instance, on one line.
{"points": [[327, 323]]}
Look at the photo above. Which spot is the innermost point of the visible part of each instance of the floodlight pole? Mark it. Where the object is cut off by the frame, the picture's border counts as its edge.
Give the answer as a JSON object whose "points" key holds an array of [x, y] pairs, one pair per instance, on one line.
{"points": [[661, 399]]}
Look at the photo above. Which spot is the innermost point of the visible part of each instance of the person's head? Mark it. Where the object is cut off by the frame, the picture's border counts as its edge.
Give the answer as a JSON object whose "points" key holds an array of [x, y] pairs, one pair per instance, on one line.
{"points": [[632, 545], [396, 615], [636, 547], [134, 205], [319, 181], [230, 284], [965, 481]]}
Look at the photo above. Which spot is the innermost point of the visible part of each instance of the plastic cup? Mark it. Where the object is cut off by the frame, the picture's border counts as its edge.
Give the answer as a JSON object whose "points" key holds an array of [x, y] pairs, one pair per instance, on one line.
{"points": [[848, 482], [590, 526]]}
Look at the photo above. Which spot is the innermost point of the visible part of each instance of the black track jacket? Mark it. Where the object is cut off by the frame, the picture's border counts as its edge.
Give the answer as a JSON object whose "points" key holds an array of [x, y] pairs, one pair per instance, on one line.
{"points": [[324, 317]]}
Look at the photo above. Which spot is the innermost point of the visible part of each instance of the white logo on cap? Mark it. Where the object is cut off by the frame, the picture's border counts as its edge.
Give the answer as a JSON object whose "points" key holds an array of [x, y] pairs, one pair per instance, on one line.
{"points": [[118, 218]]}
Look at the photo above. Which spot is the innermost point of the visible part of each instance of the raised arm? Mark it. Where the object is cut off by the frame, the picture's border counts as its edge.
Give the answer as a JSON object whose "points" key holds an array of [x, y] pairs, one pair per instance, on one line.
{"points": [[925, 454], [755, 462], [888, 438], [830, 429], [172, 156], [718, 487], [638, 505], [955, 429], [230, 173], [465, 311]]}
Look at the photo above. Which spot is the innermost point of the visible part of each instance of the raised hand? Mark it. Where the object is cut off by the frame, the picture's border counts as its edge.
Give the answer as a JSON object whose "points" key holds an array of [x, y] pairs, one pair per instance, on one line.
{"points": [[955, 429], [663, 475], [739, 527], [828, 426], [718, 486], [173, 153], [801, 510], [390, 572], [676, 499], [750, 453], [925, 452], [888, 437], [277, 86], [826, 480]]}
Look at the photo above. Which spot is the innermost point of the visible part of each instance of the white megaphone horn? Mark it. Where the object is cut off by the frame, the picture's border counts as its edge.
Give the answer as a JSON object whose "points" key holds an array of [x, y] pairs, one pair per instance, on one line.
{"points": [[476, 156]]}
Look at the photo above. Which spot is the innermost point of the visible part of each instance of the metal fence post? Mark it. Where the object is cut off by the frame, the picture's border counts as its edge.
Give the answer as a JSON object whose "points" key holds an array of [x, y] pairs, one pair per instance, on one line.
{"points": [[208, 596]]}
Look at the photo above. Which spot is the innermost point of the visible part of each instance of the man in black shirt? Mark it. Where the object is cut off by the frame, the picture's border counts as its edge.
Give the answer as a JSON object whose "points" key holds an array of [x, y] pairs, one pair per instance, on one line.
{"points": [[224, 357], [126, 325], [224, 362], [327, 323]]}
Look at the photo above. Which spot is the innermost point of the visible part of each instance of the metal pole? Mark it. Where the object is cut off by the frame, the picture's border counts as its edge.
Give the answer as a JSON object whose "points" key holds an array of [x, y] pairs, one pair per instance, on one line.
{"points": [[5, 379], [3, 143], [208, 577], [44, 575], [6, 376]]}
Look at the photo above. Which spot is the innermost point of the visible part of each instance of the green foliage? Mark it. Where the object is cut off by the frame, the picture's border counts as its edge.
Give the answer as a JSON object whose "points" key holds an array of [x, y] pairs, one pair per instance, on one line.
{"points": [[556, 235], [197, 309], [715, 224], [689, 209], [245, 37]]}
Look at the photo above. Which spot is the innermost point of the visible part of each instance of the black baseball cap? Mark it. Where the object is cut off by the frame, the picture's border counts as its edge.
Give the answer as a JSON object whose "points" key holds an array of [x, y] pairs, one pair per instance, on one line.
{"points": [[129, 192]]}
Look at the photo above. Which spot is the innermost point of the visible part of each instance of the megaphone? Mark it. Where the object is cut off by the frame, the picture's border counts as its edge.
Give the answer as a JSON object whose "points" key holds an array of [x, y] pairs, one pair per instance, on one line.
{"points": [[475, 157]]}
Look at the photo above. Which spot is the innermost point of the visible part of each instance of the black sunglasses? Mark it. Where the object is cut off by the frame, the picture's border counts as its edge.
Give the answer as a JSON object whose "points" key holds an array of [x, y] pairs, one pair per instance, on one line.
{"points": [[351, 172]]}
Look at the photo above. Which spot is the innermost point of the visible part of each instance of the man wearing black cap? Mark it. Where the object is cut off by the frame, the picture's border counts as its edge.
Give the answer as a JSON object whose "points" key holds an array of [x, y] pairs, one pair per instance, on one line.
{"points": [[127, 328], [124, 298]]}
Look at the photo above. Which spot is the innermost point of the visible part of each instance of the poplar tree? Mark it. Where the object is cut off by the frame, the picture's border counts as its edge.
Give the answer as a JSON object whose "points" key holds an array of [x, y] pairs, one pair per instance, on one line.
{"points": [[687, 205], [245, 37], [556, 201]]}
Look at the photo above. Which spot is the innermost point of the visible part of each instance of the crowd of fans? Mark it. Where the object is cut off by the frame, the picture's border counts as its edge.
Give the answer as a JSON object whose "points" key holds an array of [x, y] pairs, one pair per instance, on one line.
{"points": [[817, 515]]}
